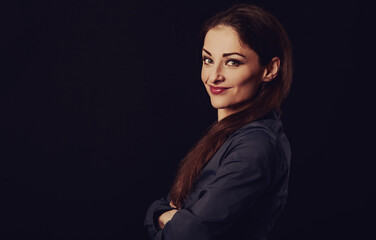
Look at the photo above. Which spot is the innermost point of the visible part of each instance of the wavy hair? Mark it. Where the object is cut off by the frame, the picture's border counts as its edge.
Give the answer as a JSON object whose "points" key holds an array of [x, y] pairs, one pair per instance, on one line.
{"points": [[263, 33]]}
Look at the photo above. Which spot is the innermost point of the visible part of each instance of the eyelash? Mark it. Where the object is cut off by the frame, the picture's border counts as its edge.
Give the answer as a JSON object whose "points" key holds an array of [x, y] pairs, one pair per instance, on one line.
{"points": [[235, 62], [204, 60]]}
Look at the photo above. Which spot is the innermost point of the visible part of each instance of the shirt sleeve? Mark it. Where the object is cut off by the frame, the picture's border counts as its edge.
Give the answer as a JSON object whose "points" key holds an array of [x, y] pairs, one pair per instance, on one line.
{"points": [[154, 211], [240, 180]]}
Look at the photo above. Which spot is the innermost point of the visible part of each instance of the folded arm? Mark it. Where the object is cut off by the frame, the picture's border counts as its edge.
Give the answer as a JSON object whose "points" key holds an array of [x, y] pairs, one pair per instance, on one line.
{"points": [[241, 179]]}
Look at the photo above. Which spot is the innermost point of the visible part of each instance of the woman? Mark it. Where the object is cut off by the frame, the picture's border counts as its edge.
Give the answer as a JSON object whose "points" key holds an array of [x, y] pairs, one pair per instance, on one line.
{"points": [[233, 183]]}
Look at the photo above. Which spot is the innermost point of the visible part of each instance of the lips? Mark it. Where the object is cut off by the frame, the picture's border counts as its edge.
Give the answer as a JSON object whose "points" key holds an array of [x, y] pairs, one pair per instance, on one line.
{"points": [[217, 90]]}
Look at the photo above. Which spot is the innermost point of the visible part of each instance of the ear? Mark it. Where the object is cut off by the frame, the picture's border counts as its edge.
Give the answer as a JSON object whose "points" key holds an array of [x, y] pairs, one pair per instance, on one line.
{"points": [[271, 70]]}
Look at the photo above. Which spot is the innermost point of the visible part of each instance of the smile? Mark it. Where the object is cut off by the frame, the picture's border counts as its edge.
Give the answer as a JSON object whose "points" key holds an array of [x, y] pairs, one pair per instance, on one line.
{"points": [[217, 90]]}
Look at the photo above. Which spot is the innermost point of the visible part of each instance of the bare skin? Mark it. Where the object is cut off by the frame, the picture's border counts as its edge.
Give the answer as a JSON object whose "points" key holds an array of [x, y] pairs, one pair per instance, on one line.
{"points": [[166, 216], [228, 63]]}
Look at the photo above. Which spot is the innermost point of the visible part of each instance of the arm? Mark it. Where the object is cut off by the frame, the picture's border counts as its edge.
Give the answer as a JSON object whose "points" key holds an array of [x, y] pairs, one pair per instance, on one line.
{"points": [[165, 217], [157, 208], [241, 179]]}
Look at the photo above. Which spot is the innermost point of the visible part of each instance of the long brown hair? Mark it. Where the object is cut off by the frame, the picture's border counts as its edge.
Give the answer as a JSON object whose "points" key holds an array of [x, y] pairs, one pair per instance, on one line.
{"points": [[262, 32]]}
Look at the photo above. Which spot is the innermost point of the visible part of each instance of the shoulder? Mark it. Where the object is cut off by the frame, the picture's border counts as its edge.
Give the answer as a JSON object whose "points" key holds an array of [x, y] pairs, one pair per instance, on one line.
{"points": [[262, 132], [258, 141]]}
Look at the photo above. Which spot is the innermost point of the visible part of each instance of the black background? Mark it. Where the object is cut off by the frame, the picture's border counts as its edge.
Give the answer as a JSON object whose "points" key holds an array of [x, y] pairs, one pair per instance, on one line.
{"points": [[101, 99]]}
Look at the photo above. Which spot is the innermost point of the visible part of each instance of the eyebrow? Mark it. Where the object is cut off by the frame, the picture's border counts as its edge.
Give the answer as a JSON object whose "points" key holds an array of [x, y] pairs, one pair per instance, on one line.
{"points": [[225, 54]]}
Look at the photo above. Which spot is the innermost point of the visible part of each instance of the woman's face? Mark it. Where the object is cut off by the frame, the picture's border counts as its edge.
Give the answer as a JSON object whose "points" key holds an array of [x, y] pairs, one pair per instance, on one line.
{"points": [[230, 71]]}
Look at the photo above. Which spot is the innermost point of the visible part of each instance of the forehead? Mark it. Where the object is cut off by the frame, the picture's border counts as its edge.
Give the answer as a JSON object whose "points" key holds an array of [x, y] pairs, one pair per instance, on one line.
{"points": [[224, 39]]}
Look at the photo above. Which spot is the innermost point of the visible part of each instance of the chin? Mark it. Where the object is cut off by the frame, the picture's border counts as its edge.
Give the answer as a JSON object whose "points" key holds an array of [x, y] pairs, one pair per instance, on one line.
{"points": [[219, 105], [226, 104]]}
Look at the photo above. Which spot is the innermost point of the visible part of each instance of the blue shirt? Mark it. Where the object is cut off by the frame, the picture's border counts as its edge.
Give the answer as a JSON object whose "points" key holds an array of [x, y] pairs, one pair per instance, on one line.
{"points": [[240, 193]]}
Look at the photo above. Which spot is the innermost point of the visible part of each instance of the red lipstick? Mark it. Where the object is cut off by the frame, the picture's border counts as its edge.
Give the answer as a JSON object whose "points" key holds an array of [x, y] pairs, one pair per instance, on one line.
{"points": [[217, 90]]}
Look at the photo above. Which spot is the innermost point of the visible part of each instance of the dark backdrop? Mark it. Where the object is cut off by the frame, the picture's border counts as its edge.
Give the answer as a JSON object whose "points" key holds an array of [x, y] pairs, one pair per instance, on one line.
{"points": [[101, 99]]}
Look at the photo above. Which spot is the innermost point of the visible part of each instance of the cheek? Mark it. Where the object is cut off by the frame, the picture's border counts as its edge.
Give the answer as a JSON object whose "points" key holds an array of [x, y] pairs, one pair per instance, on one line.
{"points": [[203, 75], [247, 82], [249, 88]]}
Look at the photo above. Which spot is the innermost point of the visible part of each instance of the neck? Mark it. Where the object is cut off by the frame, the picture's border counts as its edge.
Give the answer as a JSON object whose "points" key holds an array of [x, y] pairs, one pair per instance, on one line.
{"points": [[224, 112]]}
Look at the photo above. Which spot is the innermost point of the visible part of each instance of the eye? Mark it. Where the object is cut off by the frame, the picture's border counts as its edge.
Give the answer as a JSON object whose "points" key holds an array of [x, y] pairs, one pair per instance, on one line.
{"points": [[207, 60], [233, 62]]}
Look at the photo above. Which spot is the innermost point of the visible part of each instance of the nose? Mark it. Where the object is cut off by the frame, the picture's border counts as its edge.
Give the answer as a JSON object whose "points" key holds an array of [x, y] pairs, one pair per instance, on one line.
{"points": [[216, 76]]}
